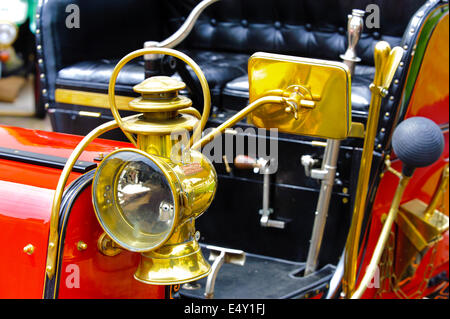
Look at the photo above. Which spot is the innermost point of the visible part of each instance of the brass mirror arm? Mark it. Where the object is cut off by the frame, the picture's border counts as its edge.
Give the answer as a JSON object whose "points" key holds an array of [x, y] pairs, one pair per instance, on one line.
{"points": [[236, 118], [56, 205], [187, 26]]}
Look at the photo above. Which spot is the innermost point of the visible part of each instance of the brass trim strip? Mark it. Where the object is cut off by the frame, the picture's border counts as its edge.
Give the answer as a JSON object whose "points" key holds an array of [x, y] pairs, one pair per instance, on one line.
{"points": [[89, 114], [91, 99]]}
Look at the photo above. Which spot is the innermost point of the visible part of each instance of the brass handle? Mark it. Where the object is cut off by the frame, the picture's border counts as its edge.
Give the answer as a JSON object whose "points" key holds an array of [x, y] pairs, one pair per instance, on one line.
{"points": [[183, 57], [245, 162], [386, 63]]}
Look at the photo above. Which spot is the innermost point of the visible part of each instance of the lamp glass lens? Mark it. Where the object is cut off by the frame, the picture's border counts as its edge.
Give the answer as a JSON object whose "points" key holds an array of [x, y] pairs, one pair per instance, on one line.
{"points": [[145, 198], [134, 200]]}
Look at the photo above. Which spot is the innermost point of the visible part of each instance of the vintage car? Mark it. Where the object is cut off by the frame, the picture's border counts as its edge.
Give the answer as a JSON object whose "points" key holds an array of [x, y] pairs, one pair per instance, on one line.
{"points": [[300, 146]]}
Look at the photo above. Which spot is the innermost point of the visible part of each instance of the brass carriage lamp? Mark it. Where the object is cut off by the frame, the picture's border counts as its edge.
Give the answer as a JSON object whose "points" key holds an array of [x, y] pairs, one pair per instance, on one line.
{"points": [[147, 199]]}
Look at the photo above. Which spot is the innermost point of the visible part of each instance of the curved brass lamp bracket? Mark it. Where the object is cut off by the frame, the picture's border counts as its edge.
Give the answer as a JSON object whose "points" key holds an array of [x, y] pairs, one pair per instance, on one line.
{"points": [[54, 236], [183, 57]]}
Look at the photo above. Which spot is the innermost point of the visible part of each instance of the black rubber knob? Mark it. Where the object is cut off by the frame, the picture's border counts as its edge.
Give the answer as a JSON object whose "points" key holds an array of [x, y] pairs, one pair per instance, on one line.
{"points": [[418, 142]]}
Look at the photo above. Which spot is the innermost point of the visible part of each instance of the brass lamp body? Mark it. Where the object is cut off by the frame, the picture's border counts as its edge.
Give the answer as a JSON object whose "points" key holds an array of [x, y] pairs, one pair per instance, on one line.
{"points": [[180, 258]]}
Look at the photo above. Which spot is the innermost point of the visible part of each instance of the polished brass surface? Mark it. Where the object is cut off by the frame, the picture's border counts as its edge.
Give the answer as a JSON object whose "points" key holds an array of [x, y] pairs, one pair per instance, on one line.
{"points": [[179, 261], [317, 93], [174, 256], [139, 124], [164, 86], [421, 230], [89, 114], [29, 249], [386, 62], [193, 187], [91, 99], [53, 232], [381, 243], [81, 245], [357, 130], [282, 101], [107, 246], [439, 192], [112, 216], [159, 94]]}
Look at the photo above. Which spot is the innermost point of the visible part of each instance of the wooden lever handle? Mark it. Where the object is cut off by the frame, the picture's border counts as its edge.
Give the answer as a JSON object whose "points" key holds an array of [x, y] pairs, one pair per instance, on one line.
{"points": [[245, 162]]}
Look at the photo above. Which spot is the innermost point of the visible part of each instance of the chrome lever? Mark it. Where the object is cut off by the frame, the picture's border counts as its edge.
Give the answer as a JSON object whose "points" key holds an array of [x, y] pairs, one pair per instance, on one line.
{"points": [[220, 256], [265, 221], [261, 166]]}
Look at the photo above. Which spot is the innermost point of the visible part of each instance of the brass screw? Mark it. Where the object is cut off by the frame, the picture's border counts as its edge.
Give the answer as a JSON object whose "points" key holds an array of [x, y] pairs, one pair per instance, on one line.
{"points": [[81, 245], [28, 249]]}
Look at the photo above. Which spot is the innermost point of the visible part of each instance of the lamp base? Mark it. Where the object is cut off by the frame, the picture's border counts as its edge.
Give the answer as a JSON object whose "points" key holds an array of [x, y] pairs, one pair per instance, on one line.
{"points": [[173, 264]]}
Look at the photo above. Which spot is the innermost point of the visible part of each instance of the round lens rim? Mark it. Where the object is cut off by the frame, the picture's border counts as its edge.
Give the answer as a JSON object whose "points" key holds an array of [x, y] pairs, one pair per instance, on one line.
{"points": [[175, 189]]}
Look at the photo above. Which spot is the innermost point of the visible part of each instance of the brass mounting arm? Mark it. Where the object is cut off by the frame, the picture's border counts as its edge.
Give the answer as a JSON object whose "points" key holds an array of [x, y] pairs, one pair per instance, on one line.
{"points": [[238, 117]]}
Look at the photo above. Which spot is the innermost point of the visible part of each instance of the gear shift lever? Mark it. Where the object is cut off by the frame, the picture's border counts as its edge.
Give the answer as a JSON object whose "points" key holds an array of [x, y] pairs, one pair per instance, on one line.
{"points": [[418, 142], [354, 29]]}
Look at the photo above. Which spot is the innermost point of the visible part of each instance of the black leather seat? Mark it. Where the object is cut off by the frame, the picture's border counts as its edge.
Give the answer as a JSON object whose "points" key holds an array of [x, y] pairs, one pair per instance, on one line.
{"points": [[222, 40], [219, 68]]}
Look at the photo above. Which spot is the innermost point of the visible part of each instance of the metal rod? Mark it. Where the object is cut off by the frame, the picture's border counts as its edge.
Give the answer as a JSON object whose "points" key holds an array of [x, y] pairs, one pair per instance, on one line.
{"points": [[187, 26], [381, 243], [437, 197], [266, 189], [210, 282], [329, 165], [354, 29]]}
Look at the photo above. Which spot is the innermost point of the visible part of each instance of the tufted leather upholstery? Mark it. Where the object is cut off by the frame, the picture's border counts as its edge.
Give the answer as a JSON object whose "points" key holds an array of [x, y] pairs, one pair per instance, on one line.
{"points": [[224, 37], [218, 67], [308, 28]]}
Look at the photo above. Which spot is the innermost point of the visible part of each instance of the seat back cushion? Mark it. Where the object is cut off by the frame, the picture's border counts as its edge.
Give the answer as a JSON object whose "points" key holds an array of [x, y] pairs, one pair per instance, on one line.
{"points": [[303, 28]]}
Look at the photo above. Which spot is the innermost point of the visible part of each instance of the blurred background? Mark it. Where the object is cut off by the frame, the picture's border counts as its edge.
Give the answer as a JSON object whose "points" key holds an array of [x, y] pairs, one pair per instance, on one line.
{"points": [[18, 83]]}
